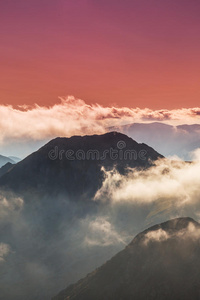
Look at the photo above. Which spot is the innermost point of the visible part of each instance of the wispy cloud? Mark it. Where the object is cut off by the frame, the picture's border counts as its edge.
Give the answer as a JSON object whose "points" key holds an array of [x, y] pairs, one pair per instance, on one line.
{"points": [[191, 232], [4, 251], [102, 233], [9, 205], [156, 236]]}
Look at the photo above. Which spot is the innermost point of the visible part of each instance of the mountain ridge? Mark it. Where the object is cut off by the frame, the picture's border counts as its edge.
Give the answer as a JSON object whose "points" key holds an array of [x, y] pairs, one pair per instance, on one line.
{"points": [[153, 270]]}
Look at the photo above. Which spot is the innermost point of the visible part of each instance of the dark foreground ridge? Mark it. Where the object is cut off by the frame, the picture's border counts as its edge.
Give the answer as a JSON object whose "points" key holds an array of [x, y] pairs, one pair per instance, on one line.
{"points": [[162, 262]]}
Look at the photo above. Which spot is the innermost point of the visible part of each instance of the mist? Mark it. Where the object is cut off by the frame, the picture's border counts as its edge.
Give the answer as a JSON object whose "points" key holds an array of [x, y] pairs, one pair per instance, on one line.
{"points": [[48, 243]]}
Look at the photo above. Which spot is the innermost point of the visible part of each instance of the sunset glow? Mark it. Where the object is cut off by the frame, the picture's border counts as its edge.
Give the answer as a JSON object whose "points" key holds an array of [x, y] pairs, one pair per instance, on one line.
{"points": [[130, 53]]}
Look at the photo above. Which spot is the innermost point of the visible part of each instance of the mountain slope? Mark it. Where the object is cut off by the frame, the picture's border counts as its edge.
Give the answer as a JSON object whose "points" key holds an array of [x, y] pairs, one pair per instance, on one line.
{"points": [[48, 170], [162, 262], [6, 168]]}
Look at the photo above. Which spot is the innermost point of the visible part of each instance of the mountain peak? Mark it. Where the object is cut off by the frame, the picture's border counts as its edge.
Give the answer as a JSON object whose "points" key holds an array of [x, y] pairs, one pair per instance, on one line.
{"points": [[166, 229], [95, 140], [60, 166]]}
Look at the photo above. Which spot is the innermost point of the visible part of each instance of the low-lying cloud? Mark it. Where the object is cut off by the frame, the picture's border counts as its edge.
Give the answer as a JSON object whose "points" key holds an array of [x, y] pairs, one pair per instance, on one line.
{"points": [[170, 181], [159, 235], [102, 233]]}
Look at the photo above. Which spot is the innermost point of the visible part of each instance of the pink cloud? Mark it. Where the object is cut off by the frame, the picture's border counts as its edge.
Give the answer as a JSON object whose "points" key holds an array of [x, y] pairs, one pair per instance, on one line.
{"points": [[74, 117]]}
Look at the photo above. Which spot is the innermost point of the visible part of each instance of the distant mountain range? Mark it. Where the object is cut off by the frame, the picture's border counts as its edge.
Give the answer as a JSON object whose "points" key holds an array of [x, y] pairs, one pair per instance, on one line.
{"points": [[162, 262], [167, 139], [11, 159], [4, 160], [15, 159]]}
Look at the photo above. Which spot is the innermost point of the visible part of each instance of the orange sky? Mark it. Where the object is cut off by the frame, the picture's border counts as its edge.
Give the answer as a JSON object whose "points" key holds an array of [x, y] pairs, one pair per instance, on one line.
{"points": [[128, 53]]}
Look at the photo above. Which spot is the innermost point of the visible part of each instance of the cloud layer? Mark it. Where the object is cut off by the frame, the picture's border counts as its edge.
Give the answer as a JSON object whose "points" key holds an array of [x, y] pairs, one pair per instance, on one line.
{"points": [[73, 116]]}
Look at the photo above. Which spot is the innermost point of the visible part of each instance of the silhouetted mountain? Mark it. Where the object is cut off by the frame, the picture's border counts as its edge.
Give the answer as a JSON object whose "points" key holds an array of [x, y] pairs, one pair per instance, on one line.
{"points": [[167, 139], [6, 168], [4, 160], [48, 170], [163, 262]]}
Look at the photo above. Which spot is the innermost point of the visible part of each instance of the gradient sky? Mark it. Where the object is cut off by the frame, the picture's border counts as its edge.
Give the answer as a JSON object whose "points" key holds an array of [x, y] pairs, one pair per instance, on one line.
{"points": [[131, 53]]}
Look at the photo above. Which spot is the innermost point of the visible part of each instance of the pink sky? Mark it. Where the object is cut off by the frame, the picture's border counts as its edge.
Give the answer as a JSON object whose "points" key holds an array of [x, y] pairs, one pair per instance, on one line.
{"points": [[127, 53]]}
